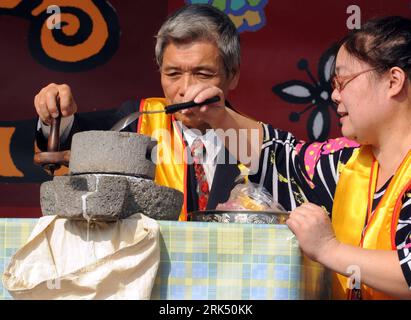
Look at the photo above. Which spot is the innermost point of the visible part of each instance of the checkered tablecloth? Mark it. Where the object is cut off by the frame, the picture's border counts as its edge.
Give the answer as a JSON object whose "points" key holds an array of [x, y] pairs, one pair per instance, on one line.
{"points": [[202, 260]]}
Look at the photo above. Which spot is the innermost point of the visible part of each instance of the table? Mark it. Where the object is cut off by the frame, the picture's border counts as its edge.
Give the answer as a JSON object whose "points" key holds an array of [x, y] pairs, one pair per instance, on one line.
{"points": [[201, 260]]}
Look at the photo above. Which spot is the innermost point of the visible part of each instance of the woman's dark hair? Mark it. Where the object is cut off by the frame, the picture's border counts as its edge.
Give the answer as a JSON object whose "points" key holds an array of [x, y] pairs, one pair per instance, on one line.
{"points": [[383, 43]]}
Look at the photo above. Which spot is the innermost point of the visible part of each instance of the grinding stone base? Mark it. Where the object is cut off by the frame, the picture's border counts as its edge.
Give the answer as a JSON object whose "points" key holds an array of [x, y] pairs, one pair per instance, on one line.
{"points": [[107, 197]]}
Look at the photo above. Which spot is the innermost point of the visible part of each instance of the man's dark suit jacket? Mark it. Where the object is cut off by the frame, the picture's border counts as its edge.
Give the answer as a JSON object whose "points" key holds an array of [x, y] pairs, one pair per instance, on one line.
{"points": [[224, 177]]}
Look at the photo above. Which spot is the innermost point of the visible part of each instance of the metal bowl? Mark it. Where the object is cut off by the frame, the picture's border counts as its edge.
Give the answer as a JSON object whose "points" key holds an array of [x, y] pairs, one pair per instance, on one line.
{"points": [[261, 217]]}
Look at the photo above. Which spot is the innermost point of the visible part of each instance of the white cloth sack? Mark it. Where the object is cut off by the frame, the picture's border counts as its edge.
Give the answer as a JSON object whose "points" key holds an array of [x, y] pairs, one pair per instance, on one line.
{"points": [[66, 259]]}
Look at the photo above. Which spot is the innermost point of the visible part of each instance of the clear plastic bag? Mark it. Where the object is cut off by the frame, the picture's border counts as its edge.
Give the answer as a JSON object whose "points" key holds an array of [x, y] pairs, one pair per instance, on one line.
{"points": [[249, 196]]}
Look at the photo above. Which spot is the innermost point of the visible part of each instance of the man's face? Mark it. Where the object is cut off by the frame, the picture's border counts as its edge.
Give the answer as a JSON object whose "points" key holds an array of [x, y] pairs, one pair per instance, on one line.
{"points": [[185, 65]]}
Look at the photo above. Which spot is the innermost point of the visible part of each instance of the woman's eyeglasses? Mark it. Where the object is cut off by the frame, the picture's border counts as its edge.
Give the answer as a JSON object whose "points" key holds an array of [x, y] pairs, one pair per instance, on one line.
{"points": [[339, 82]]}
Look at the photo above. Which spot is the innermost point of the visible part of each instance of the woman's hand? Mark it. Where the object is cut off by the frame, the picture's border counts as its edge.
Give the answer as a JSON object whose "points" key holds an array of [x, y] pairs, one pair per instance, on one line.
{"points": [[312, 227]]}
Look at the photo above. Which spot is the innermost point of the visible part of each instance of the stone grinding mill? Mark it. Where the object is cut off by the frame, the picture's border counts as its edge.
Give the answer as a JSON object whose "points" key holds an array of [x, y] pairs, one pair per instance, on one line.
{"points": [[110, 177]]}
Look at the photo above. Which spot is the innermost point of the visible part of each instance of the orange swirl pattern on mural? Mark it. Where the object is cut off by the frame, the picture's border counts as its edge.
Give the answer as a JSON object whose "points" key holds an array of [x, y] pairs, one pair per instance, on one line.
{"points": [[9, 4], [7, 167], [94, 43]]}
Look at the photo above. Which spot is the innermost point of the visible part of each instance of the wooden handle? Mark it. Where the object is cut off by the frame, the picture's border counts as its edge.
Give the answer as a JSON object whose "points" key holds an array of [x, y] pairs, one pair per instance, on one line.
{"points": [[53, 143], [53, 158]]}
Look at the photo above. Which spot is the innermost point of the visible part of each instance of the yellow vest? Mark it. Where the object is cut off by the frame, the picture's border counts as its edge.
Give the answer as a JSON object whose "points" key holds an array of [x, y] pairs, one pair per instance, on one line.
{"points": [[352, 208], [171, 168]]}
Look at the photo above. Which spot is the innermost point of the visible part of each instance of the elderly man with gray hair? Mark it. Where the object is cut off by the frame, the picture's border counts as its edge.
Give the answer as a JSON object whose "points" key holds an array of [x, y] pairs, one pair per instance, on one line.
{"points": [[198, 55]]}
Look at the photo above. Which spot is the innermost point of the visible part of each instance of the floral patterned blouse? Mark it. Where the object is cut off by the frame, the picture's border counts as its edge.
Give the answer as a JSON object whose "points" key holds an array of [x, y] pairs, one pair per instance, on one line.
{"points": [[295, 172]]}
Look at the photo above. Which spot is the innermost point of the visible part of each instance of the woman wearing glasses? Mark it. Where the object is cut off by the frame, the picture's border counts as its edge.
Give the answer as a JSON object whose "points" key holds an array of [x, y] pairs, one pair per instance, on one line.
{"points": [[371, 213], [365, 184]]}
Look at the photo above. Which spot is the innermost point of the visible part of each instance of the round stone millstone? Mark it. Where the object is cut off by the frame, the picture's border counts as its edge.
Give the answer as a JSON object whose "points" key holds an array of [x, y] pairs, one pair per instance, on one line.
{"points": [[112, 152], [105, 197]]}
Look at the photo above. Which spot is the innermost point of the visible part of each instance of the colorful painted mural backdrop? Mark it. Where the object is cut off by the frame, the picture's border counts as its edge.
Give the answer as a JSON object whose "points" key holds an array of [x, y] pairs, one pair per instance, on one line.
{"points": [[246, 15], [105, 51]]}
